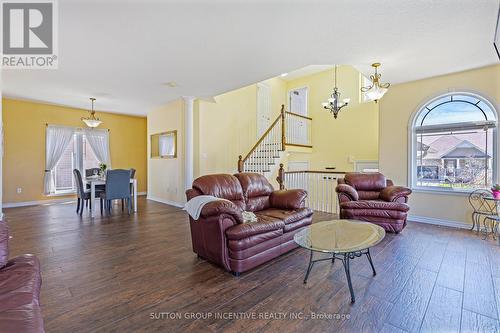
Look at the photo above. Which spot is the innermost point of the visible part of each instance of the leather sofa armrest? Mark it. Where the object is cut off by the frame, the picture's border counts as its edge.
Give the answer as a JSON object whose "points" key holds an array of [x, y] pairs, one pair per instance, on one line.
{"points": [[347, 191], [393, 193], [288, 199], [220, 207]]}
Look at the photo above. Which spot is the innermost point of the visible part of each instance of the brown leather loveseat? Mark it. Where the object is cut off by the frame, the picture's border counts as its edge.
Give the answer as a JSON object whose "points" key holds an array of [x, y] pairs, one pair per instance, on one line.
{"points": [[221, 236], [373, 198], [20, 283]]}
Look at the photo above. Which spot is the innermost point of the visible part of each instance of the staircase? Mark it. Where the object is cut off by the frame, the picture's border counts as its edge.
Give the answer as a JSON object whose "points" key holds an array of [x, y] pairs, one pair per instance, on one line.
{"points": [[288, 129]]}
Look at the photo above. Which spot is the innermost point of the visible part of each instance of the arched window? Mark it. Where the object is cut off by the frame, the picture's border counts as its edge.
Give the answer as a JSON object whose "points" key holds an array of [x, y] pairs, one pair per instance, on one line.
{"points": [[454, 144]]}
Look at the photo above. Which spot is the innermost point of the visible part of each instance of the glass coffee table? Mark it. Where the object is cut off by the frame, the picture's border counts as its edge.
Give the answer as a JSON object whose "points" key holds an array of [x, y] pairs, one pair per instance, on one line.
{"points": [[343, 239]]}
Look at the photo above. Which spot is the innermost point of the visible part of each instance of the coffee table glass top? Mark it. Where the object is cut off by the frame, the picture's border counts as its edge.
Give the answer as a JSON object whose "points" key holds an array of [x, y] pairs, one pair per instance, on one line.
{"points": [[339, 236]]}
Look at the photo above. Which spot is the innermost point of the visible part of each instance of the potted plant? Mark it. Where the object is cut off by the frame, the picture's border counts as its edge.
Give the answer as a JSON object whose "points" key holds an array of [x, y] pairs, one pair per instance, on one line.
{"points": [[495, 190], [103, 167]]}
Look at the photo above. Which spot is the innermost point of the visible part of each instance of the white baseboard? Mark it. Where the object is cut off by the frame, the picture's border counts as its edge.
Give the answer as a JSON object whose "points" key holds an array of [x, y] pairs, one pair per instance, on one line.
{"points": [[167, 202], [36, 203], [47, 202], [442, 222]]}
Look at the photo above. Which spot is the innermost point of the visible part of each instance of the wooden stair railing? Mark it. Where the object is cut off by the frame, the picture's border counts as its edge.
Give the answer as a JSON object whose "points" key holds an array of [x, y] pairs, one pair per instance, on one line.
{"points": [[283, 131], [266, 144]]}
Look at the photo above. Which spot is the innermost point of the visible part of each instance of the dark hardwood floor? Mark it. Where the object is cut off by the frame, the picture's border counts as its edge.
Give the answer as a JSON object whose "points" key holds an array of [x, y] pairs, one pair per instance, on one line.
{"points": [[116, 274]]}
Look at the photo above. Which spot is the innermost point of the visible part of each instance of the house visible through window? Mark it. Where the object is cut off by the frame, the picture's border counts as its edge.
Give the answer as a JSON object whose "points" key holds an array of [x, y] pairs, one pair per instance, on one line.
{"points": [[78, 155], [454, 144]]}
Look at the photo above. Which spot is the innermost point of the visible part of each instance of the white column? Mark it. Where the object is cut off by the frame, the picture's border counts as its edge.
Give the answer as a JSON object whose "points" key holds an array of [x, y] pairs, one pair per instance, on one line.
{"points": [[188, 140]]}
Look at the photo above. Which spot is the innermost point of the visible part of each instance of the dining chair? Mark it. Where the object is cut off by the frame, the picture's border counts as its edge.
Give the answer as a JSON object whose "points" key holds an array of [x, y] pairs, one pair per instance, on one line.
{"points": [[483, 207], [90, 172], [83, 195], [117, 187], [480, 208], [132, 176]]}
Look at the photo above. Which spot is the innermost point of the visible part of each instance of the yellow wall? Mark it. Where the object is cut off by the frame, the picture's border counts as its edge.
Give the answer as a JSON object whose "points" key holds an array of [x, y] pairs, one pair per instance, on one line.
{"points": [[24, 141], [166, 175], [353, 134], [396, 108], [228, 127]]}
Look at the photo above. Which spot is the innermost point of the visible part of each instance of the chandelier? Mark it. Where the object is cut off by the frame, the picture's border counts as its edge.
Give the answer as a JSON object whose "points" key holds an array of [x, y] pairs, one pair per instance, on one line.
{"points": [[334, 104], [376, 90], [92, 120]]}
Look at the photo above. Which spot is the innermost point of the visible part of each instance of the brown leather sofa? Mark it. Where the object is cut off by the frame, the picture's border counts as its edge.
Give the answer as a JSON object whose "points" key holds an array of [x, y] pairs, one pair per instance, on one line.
{"points": [[373, 198], [20, 283], [221, 236]]}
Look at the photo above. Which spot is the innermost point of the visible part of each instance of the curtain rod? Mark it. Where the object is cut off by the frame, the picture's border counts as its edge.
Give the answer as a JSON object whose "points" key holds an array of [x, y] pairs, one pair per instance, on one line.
{"points": [[78, 128]]}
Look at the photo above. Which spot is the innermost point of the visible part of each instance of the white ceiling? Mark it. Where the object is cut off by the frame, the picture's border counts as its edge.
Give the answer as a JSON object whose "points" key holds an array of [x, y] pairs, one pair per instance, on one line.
{"points": [[122, 52], [307, 70]]}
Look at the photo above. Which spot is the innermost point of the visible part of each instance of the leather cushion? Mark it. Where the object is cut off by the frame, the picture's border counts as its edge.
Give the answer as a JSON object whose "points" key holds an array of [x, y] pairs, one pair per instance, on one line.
{"points": [[287, 216], [288, 199], [263, 225], [245, 243], [298, 224], [221, 186], [256, 190], [392, 193], [20, 283], [346, 192], [369, 181], [390, 225], [375, 205], [368, 195], [4, 243], [257, 203], [219, 207], [357, 214]]}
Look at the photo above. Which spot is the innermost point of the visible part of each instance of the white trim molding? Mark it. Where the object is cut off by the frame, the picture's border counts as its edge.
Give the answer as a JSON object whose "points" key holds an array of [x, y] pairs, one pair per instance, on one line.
{"points": [[47, 202], [165, 201], [37, 202], [441, 222]]}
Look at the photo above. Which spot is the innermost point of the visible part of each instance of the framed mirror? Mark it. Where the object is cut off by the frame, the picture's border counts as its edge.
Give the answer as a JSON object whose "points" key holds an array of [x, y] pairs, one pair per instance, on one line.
{"points": [[164, 145]]}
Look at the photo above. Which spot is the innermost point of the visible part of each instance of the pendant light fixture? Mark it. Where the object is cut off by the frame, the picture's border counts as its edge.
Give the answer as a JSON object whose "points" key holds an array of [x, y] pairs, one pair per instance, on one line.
{"points": [[92, 120], [334, 104], [376, 90]]}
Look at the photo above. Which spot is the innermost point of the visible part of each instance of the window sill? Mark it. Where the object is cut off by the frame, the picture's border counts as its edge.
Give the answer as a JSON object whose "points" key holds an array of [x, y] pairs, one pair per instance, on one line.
{"points": [[462, 193], [62, 193]]}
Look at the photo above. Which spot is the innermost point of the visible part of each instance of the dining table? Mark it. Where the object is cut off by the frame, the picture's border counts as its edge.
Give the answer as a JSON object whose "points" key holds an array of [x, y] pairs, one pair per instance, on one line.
{"points": [[93, 181]]}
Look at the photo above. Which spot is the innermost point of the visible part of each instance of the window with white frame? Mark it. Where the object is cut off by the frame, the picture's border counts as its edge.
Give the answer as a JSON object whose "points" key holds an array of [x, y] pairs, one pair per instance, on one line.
{"points": [[454, 144]]}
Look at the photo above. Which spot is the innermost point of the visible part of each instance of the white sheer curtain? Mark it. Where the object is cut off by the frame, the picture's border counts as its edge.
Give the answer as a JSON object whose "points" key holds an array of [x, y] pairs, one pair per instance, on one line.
{"points": [[99, 141], [57, 139]]}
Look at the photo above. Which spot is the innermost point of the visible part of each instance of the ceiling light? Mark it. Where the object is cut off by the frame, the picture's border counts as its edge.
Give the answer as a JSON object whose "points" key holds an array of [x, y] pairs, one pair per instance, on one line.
{"points": [[334, 104], [376, 90], [92, 120], [283, 74]]}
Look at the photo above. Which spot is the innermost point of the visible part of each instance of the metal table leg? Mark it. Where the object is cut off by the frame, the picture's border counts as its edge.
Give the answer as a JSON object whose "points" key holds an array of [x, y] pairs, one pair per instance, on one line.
{"points": [[345, 258], [311, 263], [368, 255], [348, 275]]}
